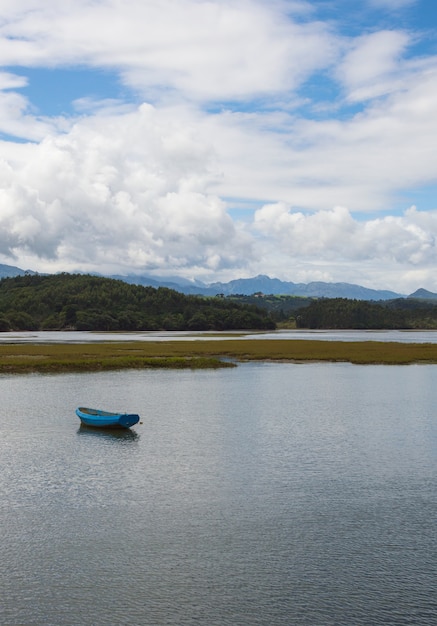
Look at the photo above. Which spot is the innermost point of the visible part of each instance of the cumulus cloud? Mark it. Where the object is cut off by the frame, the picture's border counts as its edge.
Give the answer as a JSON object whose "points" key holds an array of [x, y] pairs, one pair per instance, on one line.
{"points": [[220, 50], [410, 238], [407, 241], [118, 192], [233, 120]]}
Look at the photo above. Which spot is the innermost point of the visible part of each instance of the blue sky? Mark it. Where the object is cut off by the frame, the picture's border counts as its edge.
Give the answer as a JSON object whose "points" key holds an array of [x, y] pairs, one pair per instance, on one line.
{"points": [[53, 91], [219, 139]]}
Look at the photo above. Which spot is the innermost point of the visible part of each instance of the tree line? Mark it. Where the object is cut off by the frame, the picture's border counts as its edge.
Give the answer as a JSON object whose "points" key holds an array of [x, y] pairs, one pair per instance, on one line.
{"points": [[86, 302], [342, 313]]}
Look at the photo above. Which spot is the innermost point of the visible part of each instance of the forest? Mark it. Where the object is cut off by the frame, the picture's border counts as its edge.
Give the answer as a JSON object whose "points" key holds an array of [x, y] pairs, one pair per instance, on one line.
{"points": [[344, 313], [281, 308], [341, 313], [85, 302]]}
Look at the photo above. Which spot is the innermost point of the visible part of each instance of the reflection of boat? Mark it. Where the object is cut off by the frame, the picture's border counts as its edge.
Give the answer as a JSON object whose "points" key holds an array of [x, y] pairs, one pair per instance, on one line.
{"points": [[105, 419], [124, 434]]}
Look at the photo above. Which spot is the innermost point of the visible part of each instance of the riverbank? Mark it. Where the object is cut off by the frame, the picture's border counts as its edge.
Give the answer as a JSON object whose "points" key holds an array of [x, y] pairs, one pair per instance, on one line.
{"points": [[23, 358]]}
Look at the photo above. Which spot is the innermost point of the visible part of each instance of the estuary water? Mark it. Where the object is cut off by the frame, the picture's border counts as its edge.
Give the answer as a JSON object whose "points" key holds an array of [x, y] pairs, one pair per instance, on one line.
{"points": [[403, 336], [268, 494]]}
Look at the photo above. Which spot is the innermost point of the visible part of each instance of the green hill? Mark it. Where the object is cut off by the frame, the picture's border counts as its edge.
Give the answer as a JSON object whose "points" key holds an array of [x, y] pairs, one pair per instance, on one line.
{"points": [[341, 313], [84, 302]]}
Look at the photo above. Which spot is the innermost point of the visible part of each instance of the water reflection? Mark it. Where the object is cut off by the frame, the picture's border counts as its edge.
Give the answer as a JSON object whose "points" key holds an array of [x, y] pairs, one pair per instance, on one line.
{"points": [[126, 434]]}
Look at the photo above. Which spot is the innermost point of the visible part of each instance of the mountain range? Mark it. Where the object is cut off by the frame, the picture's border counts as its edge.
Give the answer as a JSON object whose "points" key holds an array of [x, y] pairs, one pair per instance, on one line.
{"points": [[259, 284], [265, 285]]}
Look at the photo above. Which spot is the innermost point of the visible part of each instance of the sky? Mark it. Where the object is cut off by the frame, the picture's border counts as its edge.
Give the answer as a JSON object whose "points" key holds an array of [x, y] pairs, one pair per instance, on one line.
{"points": [[221, 139]]}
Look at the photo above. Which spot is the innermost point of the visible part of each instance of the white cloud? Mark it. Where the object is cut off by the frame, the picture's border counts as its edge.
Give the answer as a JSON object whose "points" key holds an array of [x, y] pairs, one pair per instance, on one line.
{"points": [[371, 68], [16, 116], [153, 178], [118, 192], [328, 238], [132, 192], [123, 187], [223, 49], [201, 50], [364, 162], [16, 120], [11, 81]]}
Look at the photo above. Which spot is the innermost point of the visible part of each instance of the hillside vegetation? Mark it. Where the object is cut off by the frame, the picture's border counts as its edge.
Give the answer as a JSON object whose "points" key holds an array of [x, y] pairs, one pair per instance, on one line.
{"points": [[341, 313], [84, 302], [279, 307], [415, 312]]}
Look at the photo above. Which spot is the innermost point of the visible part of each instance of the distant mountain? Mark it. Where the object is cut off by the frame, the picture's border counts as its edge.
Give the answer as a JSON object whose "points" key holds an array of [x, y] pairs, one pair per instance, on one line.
{"points": [[182, 285], [248, 286], [314, 289], [423, 294], [264, 284], [8, 271]]}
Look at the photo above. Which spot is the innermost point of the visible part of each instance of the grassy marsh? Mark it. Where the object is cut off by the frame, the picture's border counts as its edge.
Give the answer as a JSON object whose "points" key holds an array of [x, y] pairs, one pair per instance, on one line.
{"points": [[53, 357]]}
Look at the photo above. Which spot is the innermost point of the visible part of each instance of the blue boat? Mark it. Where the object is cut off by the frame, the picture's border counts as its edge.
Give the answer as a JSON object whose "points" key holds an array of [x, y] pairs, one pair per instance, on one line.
{"points": [[105, 419]]}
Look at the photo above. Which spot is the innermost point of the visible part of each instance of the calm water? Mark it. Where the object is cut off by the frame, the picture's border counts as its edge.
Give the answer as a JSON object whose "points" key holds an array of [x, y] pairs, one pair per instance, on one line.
{"points": [[263, 495], [404, 336]]}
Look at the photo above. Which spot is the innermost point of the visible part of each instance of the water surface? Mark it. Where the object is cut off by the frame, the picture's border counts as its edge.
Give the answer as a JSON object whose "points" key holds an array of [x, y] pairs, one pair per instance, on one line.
{"points": [[403, 336], [267, 494]]}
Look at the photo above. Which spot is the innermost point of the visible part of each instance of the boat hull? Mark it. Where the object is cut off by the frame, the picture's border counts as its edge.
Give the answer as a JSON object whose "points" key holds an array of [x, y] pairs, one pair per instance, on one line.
{"points": [[97, 418]]}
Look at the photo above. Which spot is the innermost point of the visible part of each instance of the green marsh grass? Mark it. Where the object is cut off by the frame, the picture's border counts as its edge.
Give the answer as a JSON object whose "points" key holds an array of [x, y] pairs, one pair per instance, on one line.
{"points": [[22, 358]]}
